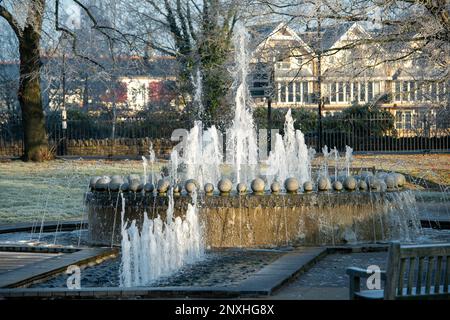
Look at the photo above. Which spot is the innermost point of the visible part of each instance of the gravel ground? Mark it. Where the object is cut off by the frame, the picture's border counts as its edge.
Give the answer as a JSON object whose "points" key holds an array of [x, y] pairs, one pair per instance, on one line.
{"points": [[330, 271]]}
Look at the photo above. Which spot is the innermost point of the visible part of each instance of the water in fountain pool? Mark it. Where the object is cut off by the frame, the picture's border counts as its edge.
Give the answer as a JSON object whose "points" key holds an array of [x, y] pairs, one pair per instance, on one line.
{"points": [[218, 268]]}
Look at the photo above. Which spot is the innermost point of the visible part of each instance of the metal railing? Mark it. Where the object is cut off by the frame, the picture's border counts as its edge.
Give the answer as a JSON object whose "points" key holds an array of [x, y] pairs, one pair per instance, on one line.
{"points": [[363, 134]]}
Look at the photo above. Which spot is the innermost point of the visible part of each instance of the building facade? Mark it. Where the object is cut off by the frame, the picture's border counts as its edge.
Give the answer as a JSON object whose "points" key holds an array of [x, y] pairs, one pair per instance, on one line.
{"points": [[344, 67]]}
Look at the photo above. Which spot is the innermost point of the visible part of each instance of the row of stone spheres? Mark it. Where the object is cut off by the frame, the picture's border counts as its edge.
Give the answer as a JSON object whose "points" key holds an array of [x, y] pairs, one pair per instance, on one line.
{"points": [[366, 181]]}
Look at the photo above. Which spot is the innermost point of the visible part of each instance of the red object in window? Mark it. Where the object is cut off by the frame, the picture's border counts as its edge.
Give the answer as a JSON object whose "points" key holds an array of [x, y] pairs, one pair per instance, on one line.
{"points": [[155, 91], [121, 92]]}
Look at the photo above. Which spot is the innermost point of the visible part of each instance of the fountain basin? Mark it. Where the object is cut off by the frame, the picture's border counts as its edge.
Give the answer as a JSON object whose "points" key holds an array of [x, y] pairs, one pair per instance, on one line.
{"points": [[252, 220]]}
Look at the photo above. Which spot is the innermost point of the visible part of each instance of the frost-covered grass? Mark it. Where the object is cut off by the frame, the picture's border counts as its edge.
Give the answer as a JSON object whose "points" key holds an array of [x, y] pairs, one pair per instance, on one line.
{"points": [[28, 191]]}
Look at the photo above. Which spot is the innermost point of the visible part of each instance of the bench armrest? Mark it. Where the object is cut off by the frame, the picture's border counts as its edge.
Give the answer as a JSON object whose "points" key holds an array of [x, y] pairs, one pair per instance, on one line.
{"points": [[355, 275]]}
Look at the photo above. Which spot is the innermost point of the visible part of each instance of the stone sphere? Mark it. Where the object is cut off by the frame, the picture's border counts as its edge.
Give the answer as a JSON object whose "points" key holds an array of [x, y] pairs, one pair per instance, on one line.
{"points": [[381, 175], [308, 186], [191, 185], [177, 188], [323, 184], [350, 183], [125, 187], [134, 177], [209, 188], [374, 184], [93, 181], [258, 185], [348, 236], [136, 186], [225, 185], [114, 186], [149, 187], [362, 185], [117, 179], [275, 187], [337, 185], [291, 185], [390, 182], [102, 183], [400, 179], [241, 187], [383, 186], [162, 186]]}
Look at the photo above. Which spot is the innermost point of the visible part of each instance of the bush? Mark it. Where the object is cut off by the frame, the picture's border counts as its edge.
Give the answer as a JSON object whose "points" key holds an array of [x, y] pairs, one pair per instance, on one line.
{"points": [[305, 120]]}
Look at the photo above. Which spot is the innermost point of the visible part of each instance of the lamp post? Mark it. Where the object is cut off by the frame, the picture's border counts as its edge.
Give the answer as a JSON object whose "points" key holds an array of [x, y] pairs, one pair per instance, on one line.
{"points": [[269, 110], [64, 111]]}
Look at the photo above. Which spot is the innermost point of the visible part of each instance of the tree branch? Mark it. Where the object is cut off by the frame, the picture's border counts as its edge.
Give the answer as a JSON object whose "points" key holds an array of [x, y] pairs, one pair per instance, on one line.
{"points": [[11, 21]]}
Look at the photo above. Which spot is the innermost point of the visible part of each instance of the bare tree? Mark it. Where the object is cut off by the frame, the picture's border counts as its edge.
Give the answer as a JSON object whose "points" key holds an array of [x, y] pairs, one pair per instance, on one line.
{"points": [[199, 37], [31, 20]]}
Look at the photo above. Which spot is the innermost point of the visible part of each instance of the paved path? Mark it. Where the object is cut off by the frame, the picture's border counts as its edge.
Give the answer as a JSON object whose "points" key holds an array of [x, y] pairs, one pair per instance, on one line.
{"points": [[327, 280], [10, 261], [44, 266]]}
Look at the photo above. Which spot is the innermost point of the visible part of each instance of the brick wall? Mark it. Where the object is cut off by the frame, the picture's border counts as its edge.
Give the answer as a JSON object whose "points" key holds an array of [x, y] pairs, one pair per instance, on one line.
{"points": [[103, 147]]}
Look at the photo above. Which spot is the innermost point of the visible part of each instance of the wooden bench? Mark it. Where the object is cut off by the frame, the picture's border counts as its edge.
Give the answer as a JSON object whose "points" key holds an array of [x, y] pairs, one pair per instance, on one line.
{"points": [[409, 267]]}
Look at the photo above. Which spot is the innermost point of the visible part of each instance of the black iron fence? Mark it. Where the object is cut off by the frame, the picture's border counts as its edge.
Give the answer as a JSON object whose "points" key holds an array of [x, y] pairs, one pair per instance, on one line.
{"points": [[363, 134]]}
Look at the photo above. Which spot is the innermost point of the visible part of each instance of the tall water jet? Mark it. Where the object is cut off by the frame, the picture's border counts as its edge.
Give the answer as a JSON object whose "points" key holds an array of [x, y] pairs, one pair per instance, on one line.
{"points": [[152, 160], [290, 157], [323, 170], [202, 155], [242, 142], [198, 92], [348, 159], [160, 248], [174, 163]]}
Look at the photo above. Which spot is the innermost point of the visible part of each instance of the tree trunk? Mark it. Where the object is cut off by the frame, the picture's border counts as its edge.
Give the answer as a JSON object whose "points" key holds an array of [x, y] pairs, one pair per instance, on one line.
{"points": [[33, 120]]}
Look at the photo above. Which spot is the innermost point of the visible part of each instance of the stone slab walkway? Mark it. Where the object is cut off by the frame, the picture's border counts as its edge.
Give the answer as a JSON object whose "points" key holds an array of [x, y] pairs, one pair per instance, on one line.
{"points": [[43, 268]]}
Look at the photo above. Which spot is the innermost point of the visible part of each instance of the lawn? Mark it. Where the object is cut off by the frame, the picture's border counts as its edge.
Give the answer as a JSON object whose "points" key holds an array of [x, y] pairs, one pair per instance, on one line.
{"points": [[54, 189]]}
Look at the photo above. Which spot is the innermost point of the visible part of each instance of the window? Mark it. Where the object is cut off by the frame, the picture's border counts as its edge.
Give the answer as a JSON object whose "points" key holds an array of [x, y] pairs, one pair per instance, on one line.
{"points": [[398, 120], [405, 91], [376, 88], [419, 91], [284, 65], [433, 91], [340, 91], [298, 92], [362, 91], [369, 91], [412, 91], [408, 119], [355, 91], [347, 92], [441, 91], [397, 91], [282, 92], [290, 92], [305, 92], [333, 92]]}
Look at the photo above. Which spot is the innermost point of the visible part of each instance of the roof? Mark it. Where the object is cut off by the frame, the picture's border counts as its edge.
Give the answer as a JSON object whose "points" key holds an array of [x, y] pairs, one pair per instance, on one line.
{"points": [[157, 67]]}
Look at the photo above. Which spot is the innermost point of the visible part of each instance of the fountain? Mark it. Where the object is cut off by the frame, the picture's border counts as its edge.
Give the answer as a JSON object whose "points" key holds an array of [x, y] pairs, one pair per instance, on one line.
{"points": [[167, 223]]}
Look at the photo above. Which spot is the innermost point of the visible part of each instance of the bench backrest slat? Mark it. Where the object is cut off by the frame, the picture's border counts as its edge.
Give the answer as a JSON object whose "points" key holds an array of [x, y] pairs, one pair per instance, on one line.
{"points": [[437, 277], [425, 266], [411, 268], [447, 274]]}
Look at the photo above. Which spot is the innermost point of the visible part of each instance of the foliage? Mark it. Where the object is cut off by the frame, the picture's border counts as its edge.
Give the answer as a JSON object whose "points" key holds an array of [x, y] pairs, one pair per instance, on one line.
{"points": [[362, 120], [305, 120]]}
